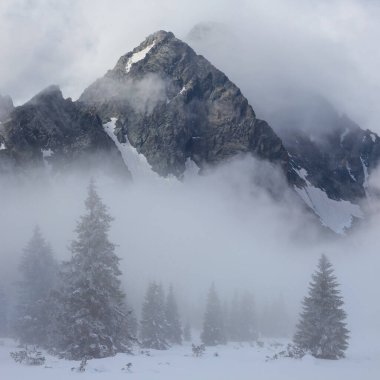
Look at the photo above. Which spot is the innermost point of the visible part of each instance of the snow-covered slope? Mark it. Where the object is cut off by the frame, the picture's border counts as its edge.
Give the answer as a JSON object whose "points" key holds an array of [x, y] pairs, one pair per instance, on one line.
{"points": [[234, 361], [135, 162], [336, 215]]}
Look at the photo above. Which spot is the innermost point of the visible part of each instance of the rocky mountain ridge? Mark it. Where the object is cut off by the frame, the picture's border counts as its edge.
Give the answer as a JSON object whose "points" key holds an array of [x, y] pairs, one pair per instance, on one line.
{"points": [[52, 131], [172, 106]]}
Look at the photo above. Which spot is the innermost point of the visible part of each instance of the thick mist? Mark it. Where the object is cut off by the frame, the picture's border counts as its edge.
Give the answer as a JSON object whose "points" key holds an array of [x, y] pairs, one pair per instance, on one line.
{"points": [[219, 227], [268, 48]]}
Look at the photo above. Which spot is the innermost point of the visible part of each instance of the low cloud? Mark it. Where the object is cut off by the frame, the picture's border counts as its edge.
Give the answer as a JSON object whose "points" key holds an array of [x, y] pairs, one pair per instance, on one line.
{"points": [[268, 48], [220, 227]]}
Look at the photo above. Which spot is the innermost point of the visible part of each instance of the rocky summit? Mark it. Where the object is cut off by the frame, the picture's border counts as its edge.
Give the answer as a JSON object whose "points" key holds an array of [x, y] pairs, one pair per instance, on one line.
{"points": [[173, 105]]}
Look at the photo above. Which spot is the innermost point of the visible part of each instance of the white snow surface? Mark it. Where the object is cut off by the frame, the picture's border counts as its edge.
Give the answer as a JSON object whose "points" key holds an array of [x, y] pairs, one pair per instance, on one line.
{"points": [[135, 162], [2, 146], [348, 167], [343, 135], [234, 361], [336, 215], [366, 174], [47, 153], [373, 137], [136, 57]]}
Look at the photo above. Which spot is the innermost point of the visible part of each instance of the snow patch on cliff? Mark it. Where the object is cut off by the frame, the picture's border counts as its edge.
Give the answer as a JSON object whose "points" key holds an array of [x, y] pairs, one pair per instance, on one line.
{"points": [[138, 56], [336, 215], [135, 162]]}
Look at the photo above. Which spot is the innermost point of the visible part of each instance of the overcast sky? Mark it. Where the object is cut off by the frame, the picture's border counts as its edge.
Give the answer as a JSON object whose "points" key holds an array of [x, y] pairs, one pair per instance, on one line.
{"points": [[330, 47]]}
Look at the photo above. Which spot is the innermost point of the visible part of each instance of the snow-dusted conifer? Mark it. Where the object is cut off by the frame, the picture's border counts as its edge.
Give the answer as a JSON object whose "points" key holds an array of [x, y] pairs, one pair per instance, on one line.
{"points": [[173, 323], [213, 324], [153, 325], [38, 270], [321, 329], [132, 324], [92, 321]]}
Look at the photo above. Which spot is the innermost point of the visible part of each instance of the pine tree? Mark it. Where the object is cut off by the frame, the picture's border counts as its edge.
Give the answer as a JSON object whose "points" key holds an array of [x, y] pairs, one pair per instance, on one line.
{"points": [[153, 325], [132, 324], [38, 278], [92, 320], [213, 324], [322, 329], [3, 313], [173, 324]]}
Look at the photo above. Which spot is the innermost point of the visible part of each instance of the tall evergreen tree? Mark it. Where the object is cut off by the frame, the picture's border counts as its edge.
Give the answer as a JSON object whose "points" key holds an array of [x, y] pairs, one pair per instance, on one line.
{"points": [[3, 313], [173, 324], [322, 329], [38, 277], [92, 321], [153, 325], [213, 324], [132, 323]]}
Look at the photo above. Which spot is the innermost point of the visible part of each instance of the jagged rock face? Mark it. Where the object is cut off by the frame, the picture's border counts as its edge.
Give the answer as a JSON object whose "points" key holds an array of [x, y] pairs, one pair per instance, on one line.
{"points": [[335, 152], [52, 129], [193, 111]]}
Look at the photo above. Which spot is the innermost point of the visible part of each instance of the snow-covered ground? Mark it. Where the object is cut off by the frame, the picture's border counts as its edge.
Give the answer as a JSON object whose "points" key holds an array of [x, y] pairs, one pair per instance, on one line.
{"points": [[234, 361]]}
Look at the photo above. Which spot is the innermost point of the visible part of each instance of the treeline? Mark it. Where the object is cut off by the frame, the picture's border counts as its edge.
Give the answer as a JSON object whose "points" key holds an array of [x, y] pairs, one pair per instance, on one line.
{"points": [[78, 310]]}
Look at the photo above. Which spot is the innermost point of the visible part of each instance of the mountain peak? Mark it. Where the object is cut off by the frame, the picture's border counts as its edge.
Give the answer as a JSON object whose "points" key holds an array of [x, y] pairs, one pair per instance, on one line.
{"points": [[140, 52], [158, 53], [159, 36], [51, 92], [173, 105]]}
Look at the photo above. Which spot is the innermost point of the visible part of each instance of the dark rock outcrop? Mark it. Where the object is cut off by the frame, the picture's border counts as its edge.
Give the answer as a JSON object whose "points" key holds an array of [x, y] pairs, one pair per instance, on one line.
{"points": [[336, 153], [51, 129]]}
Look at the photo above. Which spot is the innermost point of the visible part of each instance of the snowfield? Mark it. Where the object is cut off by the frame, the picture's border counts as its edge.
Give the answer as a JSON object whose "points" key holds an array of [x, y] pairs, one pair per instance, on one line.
{"points": [[336, 215], [234, 361]]}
